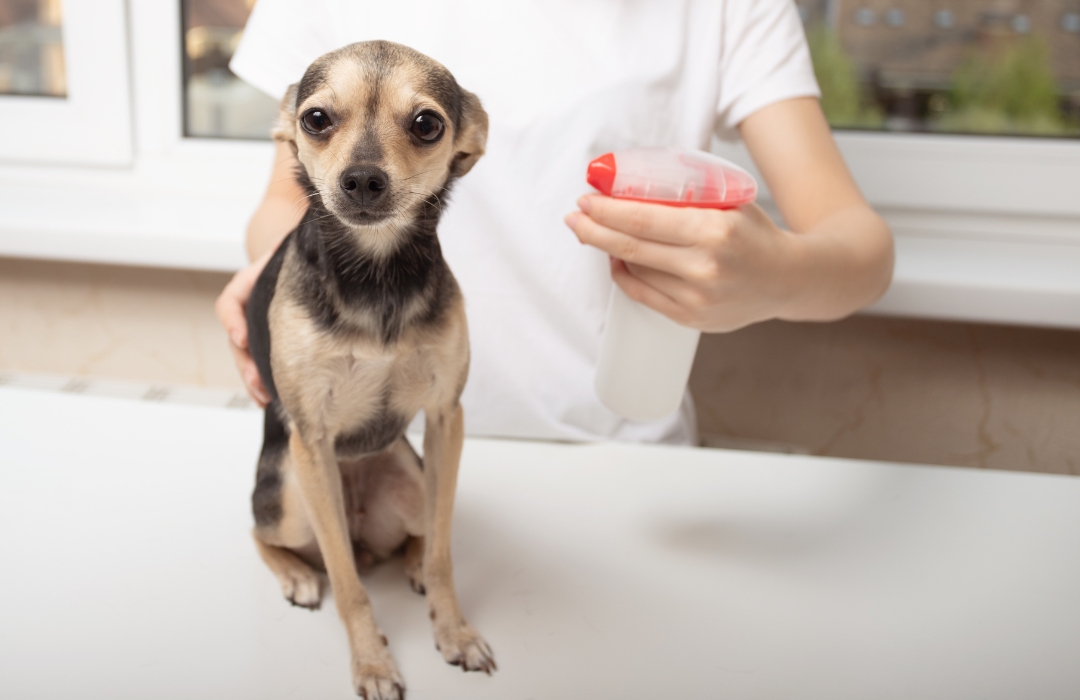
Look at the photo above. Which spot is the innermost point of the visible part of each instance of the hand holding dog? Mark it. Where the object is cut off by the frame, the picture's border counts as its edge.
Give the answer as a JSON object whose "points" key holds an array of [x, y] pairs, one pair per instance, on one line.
{"points": [[708, 269], [230, 308]]}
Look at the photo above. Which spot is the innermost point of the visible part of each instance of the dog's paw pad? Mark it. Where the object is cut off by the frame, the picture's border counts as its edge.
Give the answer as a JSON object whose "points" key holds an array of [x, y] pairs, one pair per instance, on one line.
{"points": [[464, 647]]}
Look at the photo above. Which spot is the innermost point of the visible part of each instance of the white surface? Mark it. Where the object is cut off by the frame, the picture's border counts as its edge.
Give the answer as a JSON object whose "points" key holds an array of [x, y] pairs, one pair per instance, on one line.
{"points": [[594, 571]]}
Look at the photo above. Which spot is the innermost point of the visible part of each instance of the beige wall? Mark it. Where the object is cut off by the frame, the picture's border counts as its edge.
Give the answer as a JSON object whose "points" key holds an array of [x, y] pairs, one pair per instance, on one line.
{"points": [[930, 392], [123, 322], [911, 391]]}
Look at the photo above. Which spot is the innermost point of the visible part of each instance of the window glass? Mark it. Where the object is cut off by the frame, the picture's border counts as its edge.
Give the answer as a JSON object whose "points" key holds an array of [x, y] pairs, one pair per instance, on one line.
{"points": [[31, 48], [218, 104], [951, 66]]}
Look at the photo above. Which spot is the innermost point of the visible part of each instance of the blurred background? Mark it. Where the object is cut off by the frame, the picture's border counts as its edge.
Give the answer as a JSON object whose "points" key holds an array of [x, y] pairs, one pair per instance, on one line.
{"points": [[972, 360]]}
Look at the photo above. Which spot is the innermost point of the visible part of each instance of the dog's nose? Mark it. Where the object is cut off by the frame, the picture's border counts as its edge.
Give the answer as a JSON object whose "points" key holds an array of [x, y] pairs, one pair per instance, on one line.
{"points": [[364, 184]]}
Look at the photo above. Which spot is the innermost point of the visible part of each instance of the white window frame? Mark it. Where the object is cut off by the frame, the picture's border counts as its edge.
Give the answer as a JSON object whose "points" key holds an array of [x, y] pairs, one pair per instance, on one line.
{"points": [[92, 124], [987, 229], [179, 202]]}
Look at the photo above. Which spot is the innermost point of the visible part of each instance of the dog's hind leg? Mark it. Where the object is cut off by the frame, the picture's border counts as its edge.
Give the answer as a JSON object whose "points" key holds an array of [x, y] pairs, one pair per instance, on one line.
{"points": [[280, 519], [375, 675], [301, 584], [458, 642], [288, 546]]}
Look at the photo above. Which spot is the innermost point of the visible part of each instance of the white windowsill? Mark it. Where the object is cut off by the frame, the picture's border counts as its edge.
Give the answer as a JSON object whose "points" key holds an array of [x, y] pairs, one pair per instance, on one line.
{"points": [[988, 281]]}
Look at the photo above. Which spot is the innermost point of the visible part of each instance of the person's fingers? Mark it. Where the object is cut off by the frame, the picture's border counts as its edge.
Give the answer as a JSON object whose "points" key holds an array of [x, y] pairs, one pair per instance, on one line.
{"points": [[249, 374], [687, 295], [231, 307], [660, 223], [233, 300], [661, 256], [643, 293]]}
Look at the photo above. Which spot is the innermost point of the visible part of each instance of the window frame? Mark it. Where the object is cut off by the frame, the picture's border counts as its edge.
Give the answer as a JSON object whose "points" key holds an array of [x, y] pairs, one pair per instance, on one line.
{"points": [[982, 223], [92, 124]]}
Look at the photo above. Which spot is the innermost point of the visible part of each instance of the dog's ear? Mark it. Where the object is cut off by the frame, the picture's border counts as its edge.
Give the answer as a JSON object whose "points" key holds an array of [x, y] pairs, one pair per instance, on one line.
{"points": [[471, 138], [285, 126]]}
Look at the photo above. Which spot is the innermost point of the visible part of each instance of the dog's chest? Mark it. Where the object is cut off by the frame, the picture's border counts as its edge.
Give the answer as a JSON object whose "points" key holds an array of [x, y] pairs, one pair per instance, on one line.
{"points": [[358, 390]]}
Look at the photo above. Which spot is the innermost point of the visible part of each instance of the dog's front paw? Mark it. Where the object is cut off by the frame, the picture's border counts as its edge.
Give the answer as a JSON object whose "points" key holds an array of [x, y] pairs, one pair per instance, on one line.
{"points": [[463, 646], [378, 679]]}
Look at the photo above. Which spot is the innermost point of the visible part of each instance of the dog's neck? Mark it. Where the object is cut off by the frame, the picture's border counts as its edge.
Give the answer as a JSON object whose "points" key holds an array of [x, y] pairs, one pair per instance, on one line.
{"points": [[376, 280]]}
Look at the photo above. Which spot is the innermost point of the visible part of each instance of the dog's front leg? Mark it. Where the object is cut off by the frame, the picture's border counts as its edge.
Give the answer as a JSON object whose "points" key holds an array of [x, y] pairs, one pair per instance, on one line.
{"points": [[375, 676], [459, 643]]}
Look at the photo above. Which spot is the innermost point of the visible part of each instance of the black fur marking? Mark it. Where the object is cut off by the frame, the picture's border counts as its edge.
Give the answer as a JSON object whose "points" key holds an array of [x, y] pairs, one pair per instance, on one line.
{"points": [[374, 436], [335, 272], [314, 78], [442, 86], [266, 499], [258, 316]]}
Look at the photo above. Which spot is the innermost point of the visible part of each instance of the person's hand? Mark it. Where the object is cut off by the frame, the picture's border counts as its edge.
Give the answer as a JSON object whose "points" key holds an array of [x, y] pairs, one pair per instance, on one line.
{"points": [[705, 268], [230, 308]]}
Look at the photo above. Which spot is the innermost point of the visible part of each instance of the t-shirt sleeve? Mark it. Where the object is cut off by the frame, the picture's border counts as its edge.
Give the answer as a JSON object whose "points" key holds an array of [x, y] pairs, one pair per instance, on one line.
{"points": [[281, 39], [764, 59]]}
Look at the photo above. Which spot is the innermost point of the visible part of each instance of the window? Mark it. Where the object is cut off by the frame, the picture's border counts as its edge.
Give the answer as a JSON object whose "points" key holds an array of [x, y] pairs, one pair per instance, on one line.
{"points": [[945, 19], [1002, 67], [63, 68], [864, 16], [31, 49], [217, 103]]}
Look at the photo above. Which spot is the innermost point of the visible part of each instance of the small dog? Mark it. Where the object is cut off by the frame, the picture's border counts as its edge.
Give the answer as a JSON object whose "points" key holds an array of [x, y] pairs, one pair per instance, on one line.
{"points": [[356, 324]]}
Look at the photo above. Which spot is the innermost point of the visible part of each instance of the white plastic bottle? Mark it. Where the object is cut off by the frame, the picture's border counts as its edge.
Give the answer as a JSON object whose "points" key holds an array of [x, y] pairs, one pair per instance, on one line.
{"points": [[645, 357]]}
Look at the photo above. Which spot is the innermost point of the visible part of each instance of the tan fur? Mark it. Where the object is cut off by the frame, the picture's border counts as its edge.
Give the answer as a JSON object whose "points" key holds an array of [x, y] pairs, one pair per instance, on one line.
{"points": [[345, 511]]}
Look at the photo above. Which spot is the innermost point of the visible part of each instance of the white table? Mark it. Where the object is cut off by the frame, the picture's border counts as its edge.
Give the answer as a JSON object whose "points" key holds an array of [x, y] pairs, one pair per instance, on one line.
{"points": [[594, 571]]}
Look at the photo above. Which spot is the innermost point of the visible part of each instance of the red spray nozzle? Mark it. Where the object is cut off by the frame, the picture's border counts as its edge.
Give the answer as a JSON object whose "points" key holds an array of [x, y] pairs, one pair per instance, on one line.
{"points": [[672, 176], [601, 173]]}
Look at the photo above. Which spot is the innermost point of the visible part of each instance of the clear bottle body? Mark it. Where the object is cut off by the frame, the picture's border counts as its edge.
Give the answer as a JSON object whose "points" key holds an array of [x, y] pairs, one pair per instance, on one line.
{"points": [[645, 360]]}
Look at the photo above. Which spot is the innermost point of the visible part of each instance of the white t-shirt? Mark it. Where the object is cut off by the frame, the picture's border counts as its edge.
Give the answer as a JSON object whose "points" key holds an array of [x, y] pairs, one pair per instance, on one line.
{"points": [[563, 81]]}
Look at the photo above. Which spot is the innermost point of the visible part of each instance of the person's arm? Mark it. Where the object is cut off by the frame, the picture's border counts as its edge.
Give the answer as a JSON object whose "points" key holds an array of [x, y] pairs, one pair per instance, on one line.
{"points": [[721, 270], [280, 211], [282, 206]]}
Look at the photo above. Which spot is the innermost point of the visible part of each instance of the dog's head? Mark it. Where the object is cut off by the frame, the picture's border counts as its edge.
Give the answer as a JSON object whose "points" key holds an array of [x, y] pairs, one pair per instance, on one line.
{"points": [[379, 129]]}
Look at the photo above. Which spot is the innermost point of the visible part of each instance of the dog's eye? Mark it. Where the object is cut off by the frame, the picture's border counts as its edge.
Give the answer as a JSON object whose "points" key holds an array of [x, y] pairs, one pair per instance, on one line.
{"points": [[315, 121], [427, 127]]}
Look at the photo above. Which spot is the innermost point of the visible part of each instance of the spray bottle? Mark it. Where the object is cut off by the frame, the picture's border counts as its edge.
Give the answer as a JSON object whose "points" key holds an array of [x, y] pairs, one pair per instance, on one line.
{"points": [[645, 357]]}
